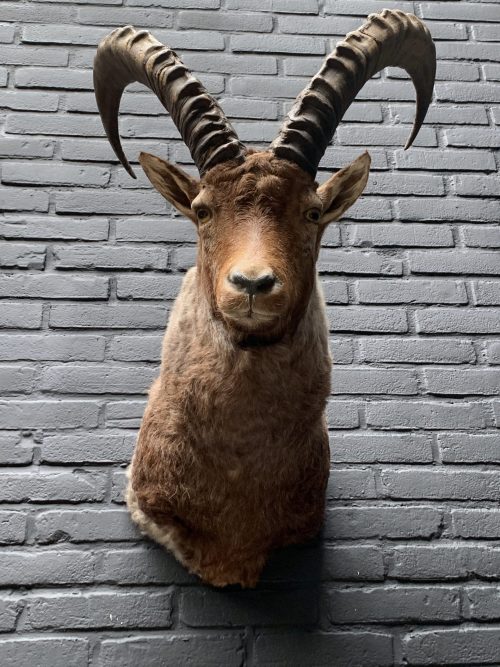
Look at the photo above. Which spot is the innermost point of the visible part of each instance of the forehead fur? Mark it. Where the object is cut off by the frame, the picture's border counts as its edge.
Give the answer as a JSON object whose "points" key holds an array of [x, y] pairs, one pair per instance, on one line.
{"points": [[261, 178]]}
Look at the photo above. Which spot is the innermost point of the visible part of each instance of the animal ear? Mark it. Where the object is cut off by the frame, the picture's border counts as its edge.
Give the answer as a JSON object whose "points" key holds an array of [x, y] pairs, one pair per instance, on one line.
{"points": [[172, 182], [342, 189]]}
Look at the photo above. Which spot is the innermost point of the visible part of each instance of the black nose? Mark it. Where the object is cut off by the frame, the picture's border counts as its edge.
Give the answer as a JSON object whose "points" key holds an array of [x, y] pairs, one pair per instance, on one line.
{"points": [[252, 286]]}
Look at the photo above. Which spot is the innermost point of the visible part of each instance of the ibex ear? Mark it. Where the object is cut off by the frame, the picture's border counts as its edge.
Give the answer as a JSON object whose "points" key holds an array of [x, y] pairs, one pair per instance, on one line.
{"points": [[343, 188], [172, 182]]}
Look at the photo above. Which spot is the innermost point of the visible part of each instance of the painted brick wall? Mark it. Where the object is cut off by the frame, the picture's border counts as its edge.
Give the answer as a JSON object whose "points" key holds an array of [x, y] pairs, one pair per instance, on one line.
{"points": [[407, 571]]}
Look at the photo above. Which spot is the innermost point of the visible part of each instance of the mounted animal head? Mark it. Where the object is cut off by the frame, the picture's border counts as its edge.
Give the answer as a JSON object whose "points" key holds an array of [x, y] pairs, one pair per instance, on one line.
{"points": [[260, 215]]}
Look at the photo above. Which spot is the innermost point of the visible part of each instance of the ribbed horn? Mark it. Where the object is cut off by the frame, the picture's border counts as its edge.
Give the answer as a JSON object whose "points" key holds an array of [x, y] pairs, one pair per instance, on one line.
{"points": [[127, 55], [391, 38]]}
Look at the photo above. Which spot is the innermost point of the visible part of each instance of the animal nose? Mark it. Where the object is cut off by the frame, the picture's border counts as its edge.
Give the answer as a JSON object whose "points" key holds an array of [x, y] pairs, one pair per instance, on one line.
{"points": [[251, 286]]}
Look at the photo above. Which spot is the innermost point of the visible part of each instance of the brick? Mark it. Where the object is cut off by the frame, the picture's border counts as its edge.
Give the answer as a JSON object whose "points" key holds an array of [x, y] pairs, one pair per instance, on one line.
{"points": [[442, 114], [205, 608], [246, 108], [97, 379], [417, 350], [20, 199], [370, 649], [176, 4], [28, 227], [472, 138], [482, 603], [475, 523], [14, 449], [106, 609], [474, 210], [337, 158], [393, 604], [26, 147], [110, 257], [108, 201], [62, 34], [208, 650], [493, 352], [117, 16], [482, 237], [30, 651], [19, 315], [295, 6], [12, 55], [364, 7], [356, 261], [351, 483], [22, 256], [411, 291], [373, 381], [367, 320], [17, 379], [118, 487], [407, 235], [136, 348], [370, 447], [474, 51], [230, 64], [12, 531], [44, 487], [469, 447], [139, 566], [111, 316], [434, 484], [461, 11], [44, 414], [87, 448], [225, 21], [449, 160], [48, 567], [53, 287], [84, 526], [486, 33], [342, 414], [365, 135], [486, 293], [9, 612], [400, 184], [124, 414], [51, 348], [37, 13], [468, 261], [148, 286], [390, 521], [3, 76], [455, 560], [425, 414], [449, 320], [454, 382], [492, 72], [41, 174], [277, 44], [334, 291], [24, 100], [465, 646], [474, 185], [342, 351], [7, 32], [81, 125], [53, 77]]}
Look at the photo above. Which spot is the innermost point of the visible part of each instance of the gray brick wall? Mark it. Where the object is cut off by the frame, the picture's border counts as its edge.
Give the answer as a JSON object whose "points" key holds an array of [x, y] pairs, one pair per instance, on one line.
{"points": [[408, 567]]}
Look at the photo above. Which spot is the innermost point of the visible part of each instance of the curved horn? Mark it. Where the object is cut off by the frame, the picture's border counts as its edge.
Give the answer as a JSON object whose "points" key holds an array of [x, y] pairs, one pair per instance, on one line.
{"points": [[127, 55], [389, 38]]}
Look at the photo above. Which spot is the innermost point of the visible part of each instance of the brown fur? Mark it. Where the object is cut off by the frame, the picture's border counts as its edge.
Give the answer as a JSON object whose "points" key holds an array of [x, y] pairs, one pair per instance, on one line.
{"points": [[232, 458]]}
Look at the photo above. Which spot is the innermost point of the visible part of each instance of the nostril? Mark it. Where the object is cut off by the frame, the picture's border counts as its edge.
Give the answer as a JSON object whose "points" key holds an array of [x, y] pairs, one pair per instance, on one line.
{"points": [[251, 286], [265, 283]]}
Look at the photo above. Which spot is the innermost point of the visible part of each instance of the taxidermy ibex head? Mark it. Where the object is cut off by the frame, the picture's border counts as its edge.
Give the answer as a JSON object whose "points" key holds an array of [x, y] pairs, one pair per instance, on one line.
{"points": [[232, 457]]}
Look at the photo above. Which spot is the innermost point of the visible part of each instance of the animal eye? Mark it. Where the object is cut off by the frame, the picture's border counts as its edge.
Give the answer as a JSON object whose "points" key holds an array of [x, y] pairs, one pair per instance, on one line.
{"points": [[313, 215], [203, 214]]}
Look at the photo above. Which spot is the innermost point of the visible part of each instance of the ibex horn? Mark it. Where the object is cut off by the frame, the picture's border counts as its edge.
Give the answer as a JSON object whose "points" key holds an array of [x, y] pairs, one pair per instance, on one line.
{"points": [[127, 55], [391, 38]]}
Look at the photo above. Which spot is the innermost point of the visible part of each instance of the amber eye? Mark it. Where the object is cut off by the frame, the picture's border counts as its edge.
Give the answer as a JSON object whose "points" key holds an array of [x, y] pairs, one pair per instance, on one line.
{"points": [[203, 214], [313, 215]]}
